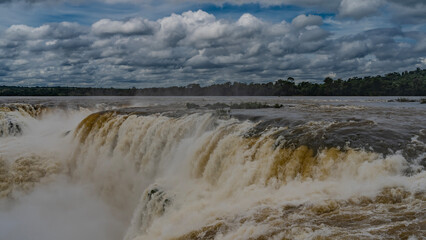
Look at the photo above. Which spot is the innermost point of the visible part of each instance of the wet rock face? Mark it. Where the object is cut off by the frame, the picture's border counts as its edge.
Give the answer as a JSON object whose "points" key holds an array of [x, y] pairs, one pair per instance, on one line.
{"points": [[153, 204], [9, 127], [159, 196], [12, 115]]}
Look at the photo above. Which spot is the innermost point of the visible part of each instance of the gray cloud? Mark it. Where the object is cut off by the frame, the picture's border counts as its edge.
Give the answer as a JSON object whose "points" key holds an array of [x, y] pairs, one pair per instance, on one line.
{"points": [[412, 12], [197, 47], [302, 21], [404, 11], [134, 26], [64, 30], [359, 9], [408, 2]]}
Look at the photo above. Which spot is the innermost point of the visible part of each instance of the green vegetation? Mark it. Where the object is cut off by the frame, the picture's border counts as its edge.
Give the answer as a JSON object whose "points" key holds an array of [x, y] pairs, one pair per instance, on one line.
{"points": [[192, 105], [411, 83], [405, 100], [216, 106], [253, 105], [243, 105], [422, 101]]}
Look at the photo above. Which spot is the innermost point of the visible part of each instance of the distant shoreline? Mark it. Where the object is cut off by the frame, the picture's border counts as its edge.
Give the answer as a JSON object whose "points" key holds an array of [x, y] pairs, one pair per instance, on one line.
{"points": [[412, 83]]}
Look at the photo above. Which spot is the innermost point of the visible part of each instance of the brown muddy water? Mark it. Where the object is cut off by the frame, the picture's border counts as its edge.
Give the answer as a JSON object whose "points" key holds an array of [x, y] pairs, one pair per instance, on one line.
{"points": [[149, 168]]}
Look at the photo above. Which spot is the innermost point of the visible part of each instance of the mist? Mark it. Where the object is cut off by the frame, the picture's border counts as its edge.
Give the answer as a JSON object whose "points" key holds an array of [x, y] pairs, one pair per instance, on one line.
{"points": [[59, 210]]}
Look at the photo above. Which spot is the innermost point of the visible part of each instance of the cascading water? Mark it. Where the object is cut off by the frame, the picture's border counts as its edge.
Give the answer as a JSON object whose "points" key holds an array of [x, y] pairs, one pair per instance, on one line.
{"points": [[176, 174]]}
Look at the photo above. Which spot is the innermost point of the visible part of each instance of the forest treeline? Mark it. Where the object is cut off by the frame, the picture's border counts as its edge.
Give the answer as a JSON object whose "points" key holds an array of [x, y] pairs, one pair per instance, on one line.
{"points": [[408, 83]]}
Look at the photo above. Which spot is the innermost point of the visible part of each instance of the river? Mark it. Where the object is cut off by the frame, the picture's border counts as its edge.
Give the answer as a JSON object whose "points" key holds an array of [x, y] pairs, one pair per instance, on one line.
{"points": [[150, 168]]}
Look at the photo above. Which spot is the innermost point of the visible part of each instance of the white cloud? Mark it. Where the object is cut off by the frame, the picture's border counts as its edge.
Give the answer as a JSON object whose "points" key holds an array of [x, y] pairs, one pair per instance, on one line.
{"points": [[134, 26], [249, 21], [331, 75], [20, 32]]}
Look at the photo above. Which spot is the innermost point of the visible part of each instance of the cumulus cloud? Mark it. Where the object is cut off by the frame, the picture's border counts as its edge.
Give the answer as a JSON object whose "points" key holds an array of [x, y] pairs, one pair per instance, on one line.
{"points": [[24, 32], [302, 21], [64, 30], [197, 47], [359, 8], [134, 26]]}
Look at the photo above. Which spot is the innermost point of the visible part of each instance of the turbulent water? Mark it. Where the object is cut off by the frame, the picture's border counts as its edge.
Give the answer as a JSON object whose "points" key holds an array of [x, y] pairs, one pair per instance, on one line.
{"points": [[149, 168]]}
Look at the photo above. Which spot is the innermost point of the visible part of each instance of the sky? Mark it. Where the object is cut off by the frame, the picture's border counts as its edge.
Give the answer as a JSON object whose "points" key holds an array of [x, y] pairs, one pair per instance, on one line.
{"points": [[160, 43]]}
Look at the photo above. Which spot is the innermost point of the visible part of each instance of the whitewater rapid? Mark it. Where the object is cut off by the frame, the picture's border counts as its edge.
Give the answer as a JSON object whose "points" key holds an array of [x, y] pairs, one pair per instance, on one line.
{"points": [[158, 172]]}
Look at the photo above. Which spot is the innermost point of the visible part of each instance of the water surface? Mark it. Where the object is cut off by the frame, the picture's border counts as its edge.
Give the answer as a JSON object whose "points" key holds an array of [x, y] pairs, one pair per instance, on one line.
{"points": [[149, 168]]}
